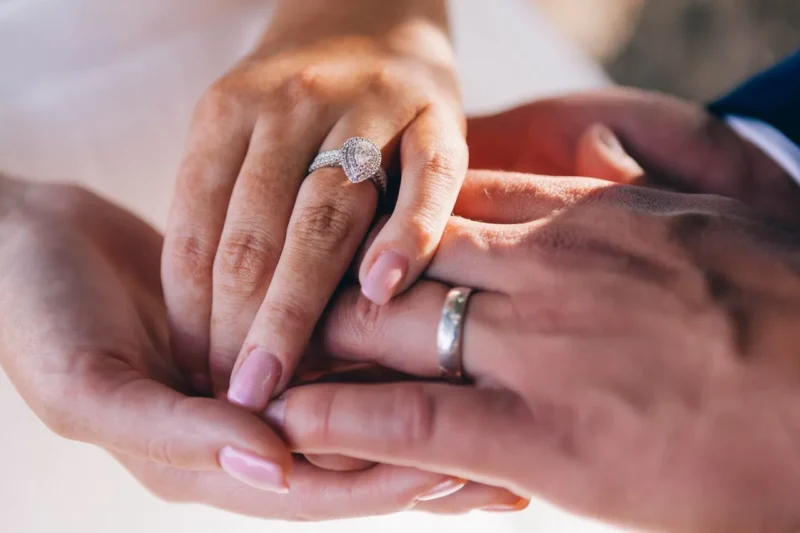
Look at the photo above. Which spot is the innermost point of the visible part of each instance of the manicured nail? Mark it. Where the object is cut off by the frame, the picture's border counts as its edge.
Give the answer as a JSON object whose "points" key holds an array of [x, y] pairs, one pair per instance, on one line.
{"points": [[276, 412], [385, 275], [507, 508], [445, 488], [252, 384], [253, 470]]}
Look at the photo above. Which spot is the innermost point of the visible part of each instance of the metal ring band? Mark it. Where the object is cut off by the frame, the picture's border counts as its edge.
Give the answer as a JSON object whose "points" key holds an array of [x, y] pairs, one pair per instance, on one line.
{"points": [[450, 334]]}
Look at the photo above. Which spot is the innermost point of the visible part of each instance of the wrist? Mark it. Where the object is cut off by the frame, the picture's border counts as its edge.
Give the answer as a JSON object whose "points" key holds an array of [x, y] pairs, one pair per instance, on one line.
{"points": [[308, 21]]}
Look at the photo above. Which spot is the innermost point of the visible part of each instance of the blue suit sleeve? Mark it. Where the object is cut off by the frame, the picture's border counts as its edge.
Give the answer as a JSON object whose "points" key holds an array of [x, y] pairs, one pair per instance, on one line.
{"points": [[772, 97]]}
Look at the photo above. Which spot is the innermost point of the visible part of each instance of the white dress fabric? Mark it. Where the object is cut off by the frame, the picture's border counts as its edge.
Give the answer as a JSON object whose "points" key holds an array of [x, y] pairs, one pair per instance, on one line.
{"points": [[100, 92]]}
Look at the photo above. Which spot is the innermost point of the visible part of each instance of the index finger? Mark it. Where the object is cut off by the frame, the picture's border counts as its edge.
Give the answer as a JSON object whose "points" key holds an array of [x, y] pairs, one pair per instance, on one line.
{"points": [[432, 426]]}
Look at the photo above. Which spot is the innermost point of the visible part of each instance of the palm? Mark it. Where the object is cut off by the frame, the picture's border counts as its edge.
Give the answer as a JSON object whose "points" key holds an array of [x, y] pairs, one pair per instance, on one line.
{"points": [[83, 339]]}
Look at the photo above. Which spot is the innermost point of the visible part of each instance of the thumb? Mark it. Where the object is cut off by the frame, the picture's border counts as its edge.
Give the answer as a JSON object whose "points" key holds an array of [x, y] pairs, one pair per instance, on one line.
{"points": [[600, 154]]}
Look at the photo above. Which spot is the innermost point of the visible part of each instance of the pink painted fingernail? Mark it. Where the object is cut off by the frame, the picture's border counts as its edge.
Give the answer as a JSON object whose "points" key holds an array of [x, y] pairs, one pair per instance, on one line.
{"points": [[276, 412], [252, 384], [445, 488], [385, 275], [253, 470], [520, 505]]}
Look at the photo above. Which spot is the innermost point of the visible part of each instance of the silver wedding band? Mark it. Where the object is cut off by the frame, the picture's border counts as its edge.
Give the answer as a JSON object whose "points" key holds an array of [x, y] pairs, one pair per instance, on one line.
{"points": [[450, 335], [360, 159]]}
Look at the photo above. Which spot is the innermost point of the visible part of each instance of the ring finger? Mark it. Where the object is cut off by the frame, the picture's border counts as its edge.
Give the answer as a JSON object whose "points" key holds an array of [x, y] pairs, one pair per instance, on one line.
{"points": [[402, 333], [329, 221]]}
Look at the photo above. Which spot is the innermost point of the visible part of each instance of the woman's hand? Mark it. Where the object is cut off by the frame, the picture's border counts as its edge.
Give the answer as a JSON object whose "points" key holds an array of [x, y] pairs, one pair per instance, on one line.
{"points": [[634, 353], [83, 338], [254, 247]]}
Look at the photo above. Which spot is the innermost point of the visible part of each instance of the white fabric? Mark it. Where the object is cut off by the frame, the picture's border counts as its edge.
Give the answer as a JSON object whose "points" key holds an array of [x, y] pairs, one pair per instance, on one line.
{"points": [[100, 92], [771, 141]]}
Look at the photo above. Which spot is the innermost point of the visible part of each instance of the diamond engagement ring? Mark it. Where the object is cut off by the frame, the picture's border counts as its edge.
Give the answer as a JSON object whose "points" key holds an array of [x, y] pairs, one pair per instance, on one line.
{"points": [[360, 159], [450, 334]]}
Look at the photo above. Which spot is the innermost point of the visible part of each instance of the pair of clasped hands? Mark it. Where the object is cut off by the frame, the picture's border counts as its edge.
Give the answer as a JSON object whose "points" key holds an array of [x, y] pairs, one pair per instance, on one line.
{"points": [[586, 343]]}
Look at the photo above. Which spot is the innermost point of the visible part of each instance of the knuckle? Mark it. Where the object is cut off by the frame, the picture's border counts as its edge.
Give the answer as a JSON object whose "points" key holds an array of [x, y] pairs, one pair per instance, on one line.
{"points": [[439, 164], [305, 85], [190, 257], [359, 325], [386, 80], [422, 233], [689, 227], [218, 103], [159, 450], [415, 416], [326, 225], [554, 241], [365, 319], [289, 318], [246, 257]]}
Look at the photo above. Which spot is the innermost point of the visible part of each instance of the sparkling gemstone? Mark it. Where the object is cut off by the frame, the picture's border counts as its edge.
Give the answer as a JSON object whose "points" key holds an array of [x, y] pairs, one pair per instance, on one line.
{"points": [[360, 159]]}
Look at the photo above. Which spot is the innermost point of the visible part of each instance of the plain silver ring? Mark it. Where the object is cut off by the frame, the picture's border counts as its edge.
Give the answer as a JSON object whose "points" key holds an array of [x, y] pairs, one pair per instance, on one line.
{"points": [[450, 334]]}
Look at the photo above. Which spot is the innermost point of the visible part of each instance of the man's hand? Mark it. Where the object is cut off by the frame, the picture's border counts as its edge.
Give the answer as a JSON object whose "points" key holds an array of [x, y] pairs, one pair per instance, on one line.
{"points": [[634, 353], [679, 145], [83, 337]]}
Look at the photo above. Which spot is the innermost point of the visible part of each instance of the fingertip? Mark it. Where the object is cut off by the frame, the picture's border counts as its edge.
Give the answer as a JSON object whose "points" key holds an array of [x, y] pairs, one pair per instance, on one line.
{"points": [[254, 380], [601, 155], [254, 470], [385, 277]]}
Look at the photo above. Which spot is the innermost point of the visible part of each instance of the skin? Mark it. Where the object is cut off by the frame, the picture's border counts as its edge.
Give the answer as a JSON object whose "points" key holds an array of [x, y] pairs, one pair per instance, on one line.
{"points": [[633, 353], [678, 144], [116, 323], [254, 249], [84, 339]]}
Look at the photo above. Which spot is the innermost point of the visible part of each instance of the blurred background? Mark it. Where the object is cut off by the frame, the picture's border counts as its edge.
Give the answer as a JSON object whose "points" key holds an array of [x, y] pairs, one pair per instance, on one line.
{"points": [[77, 100], [695, 49]]}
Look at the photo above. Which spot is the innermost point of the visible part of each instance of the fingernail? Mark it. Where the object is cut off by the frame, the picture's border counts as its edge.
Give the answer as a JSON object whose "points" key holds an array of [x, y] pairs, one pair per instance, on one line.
{"points": [[611, 142], [445, 488], [384, 277], [252, 384], [604, 134], [253, 470], [506, 508], [276, 412]]}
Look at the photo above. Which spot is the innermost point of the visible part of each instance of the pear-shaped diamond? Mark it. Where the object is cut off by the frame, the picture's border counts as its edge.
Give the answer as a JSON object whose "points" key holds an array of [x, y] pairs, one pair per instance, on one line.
{"points": [[360, 159]]}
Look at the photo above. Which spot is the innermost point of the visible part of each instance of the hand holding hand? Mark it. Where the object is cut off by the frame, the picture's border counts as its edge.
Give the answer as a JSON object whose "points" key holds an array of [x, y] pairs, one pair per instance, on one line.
{"points": [[83, 337], [632, 352]]}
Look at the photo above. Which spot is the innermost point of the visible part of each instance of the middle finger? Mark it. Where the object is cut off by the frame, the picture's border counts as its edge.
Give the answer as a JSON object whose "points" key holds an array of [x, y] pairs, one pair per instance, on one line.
{"points": [[255, 230], [329, 221]]}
